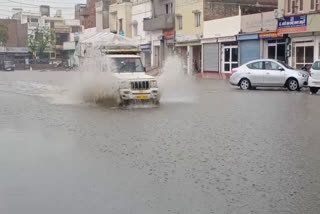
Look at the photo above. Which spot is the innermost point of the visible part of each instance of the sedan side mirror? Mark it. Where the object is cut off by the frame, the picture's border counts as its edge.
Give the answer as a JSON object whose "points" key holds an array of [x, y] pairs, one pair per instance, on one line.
{"points": [[281, 69]]}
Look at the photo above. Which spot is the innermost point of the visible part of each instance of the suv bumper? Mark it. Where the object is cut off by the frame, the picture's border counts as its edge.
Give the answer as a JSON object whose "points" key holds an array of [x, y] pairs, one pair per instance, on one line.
{"points": [[129, 94]]}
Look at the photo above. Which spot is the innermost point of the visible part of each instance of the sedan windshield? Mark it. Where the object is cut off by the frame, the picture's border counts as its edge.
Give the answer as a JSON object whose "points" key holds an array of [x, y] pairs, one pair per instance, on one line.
{"points": [[285, 65], [128, 65]]}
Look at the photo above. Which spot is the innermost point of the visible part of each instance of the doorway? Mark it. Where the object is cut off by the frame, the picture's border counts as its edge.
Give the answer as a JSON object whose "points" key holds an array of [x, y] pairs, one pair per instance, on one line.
{"points": [[229, 58]]}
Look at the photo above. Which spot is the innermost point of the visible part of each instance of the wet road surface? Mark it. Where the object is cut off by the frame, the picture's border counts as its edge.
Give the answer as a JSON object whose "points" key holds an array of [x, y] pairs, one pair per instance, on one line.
{"points": [[223, 151]]}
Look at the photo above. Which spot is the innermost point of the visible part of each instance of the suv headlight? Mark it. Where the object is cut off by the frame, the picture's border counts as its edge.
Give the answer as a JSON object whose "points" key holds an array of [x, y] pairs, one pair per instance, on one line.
{"points": [[153, 83], [124, 85]]}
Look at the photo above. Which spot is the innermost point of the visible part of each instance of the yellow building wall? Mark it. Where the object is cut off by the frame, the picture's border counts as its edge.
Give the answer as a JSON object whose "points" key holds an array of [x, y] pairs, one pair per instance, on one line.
{"points": [[186, 9]]}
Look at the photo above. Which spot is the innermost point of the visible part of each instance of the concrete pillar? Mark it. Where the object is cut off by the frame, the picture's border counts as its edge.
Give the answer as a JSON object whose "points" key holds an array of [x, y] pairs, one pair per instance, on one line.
{"points": [[190, 59]]}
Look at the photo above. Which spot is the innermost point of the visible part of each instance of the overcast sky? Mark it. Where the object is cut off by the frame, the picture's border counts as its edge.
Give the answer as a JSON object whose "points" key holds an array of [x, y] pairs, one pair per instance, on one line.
{"points": [[67, 6]]}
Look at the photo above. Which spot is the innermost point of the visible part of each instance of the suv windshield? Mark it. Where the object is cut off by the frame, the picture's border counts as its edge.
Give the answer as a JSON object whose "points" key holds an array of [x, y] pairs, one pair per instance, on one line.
{"points": [[128, 65]]}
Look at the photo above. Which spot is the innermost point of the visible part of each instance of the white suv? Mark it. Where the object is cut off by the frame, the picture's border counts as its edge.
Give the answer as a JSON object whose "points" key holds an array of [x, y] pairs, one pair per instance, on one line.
{"points": [[314, 78]]}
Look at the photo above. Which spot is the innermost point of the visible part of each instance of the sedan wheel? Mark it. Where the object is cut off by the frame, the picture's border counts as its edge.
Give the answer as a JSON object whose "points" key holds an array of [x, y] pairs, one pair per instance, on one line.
{"points": [[244, 84], [293, 85]]}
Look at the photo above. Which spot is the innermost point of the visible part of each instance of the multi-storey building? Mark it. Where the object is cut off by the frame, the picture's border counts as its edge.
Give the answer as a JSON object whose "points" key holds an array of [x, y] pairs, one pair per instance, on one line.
{"points": [[299, 20], [120, 17], [86, 13], [102, 15], [160, 25]]}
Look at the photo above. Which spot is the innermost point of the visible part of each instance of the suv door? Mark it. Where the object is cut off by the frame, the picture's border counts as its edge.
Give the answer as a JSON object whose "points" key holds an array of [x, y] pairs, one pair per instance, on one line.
{"points": [[274, 74], [255, 73]]}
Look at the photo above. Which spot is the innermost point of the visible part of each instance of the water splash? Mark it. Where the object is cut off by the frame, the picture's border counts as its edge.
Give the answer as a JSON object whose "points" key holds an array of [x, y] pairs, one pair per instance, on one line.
{"points": [[174, 82]]}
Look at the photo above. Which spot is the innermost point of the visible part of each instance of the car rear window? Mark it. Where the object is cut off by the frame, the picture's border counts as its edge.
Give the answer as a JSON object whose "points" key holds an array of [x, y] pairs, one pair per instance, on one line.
{"points": [[255, 65], [316, 66]]}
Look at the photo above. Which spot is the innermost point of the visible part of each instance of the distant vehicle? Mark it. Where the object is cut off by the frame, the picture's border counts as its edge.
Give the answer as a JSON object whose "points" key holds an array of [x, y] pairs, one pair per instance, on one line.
{"points": [[8, 66], [314, 78], [268, 73]]}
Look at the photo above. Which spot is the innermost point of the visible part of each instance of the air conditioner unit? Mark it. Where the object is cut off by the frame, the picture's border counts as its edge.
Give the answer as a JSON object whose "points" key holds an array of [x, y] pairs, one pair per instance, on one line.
{"points": [[279, 14]]}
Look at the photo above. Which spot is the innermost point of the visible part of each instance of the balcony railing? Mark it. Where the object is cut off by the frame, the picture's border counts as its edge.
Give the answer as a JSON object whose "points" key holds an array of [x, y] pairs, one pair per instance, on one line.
{"points": [[163, 22]]}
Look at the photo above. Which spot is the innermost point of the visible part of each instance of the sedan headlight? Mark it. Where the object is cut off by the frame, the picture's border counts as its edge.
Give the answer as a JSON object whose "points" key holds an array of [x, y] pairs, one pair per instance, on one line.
{"points": [[153, 83], [124, 85], [302, 75]]}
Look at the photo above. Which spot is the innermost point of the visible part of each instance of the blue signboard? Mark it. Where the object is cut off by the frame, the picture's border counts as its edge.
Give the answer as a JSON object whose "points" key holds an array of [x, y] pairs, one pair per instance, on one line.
{"points": [[293, 21]]}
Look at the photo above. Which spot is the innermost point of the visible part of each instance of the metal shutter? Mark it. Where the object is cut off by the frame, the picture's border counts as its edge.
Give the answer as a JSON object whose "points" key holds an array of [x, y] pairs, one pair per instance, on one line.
{"points": [[211, 57], [249, 50]]}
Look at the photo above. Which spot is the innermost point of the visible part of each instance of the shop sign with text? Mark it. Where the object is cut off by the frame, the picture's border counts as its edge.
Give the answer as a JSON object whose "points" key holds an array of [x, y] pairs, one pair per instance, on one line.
{"points": [[293, 24]]}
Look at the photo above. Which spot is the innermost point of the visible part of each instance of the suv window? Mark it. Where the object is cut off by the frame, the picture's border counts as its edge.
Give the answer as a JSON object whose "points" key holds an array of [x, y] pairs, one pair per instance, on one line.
{"points": [[255, 65], [271, 65], [316, 66]]}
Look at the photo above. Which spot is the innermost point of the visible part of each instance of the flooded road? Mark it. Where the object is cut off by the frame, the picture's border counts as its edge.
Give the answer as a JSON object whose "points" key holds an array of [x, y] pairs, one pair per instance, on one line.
{"points": [[222, 151]]}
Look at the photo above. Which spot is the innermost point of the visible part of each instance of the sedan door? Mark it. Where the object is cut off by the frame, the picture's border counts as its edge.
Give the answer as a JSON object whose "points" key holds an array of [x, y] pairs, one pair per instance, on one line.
{"points": [[274, 74], [255, 73]]}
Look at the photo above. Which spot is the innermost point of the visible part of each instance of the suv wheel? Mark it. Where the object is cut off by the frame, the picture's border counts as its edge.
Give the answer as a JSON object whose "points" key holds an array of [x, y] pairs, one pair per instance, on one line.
{"points": [[314, 90], [244, 84], [293, 85]]}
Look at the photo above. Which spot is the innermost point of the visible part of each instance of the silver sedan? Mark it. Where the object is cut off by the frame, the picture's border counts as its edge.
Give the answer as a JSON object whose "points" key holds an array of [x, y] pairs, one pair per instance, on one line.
{"points": [[268, 73]]}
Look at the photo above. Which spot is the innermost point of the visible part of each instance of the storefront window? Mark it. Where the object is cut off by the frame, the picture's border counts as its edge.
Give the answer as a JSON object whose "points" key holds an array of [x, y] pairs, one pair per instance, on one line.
{"points": [[304, 56], [277, 49]]}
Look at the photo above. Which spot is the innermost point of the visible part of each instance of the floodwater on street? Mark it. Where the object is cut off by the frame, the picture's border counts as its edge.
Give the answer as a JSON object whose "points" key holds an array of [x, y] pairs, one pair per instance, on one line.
{"points": [[221, 151]]}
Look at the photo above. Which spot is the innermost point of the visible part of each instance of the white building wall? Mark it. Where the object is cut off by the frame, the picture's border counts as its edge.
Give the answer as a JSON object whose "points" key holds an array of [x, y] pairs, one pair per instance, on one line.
{"points": [[222, 27], [139, 12]]}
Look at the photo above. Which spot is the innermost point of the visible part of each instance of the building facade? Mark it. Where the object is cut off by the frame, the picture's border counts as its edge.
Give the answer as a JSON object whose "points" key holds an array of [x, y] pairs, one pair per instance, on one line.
{"points": [[189, 32], [120, 17], [299, 21], [161, 26], [86, 13], [102, 15], [222, 47], [141, 9], [16, 47]]}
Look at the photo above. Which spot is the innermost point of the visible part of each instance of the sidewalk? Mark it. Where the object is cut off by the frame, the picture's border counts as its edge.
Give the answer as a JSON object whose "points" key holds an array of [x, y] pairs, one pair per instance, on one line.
{"points": [[214, 75]]}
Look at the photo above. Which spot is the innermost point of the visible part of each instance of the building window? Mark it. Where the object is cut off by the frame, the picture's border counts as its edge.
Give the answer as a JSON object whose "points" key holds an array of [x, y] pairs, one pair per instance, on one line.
{"points": [[169, 8], [312, 6], [120, 25], [135, 29], [301, 5], [197, 19], [33, 20], [289, 6], [179, 22], [294, 6], [317, 4]]}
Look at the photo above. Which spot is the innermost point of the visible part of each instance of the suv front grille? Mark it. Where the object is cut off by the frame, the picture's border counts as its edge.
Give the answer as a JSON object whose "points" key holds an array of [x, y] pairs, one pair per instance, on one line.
{"points": [[140, 85]]}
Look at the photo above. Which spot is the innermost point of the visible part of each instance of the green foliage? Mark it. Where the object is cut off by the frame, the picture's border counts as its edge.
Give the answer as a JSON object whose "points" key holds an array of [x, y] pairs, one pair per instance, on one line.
{"points": [[3, 34], [41, 39]]}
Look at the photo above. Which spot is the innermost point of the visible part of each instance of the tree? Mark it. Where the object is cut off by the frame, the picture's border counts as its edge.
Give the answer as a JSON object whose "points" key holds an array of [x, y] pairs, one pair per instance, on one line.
{"points": [[41, 39], [3, 33]]}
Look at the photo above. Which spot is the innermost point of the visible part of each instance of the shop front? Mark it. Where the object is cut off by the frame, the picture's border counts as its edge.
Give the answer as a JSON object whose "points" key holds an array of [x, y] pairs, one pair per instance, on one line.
{"points": [[189, 48], [249, 45], [274, 46], [229, 53], [304, 36]]}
